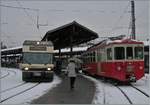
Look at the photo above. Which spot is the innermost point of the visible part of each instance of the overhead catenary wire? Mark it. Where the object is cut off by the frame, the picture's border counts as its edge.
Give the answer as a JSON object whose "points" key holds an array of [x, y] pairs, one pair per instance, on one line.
{"points": [[23, 8], [120, 18], [34, 21], [26, 12], [32, 9]]}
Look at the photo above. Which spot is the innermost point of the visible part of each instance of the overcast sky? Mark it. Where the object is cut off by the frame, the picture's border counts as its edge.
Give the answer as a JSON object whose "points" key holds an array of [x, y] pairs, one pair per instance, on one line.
{"points": [[107, 18]]}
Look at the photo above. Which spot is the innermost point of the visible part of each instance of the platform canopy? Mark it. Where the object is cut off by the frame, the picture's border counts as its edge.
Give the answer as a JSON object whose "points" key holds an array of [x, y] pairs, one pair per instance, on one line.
{"points": [[70, 35]]}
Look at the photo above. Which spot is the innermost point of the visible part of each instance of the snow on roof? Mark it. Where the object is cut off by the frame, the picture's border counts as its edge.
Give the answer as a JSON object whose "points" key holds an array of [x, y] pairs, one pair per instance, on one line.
{"points": [[13, 48], [120, 40], [63, 50], [74, 49], [113, 41], [146, 43]]}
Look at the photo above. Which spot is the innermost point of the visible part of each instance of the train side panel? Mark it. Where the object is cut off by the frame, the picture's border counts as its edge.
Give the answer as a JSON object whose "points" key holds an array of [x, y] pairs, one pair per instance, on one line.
{"points": [[108, 69], [91, 68], [122, 71]]}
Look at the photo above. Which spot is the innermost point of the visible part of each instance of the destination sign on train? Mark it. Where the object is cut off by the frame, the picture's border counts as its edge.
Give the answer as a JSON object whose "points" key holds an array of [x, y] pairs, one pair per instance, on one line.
{"points": [[28, 42]]}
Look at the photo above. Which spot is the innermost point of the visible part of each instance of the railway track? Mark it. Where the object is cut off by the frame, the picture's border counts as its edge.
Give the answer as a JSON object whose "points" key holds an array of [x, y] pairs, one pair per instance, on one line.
{"points": [[130, 93], [104, 100], [5, 75], [12, 71], [19, 93], [8, 73], [13, 87], [140, 91], [125, 95]]}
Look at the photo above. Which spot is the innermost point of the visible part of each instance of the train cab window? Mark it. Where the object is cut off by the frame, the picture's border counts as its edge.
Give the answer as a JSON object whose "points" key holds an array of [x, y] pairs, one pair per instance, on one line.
{"points": [[138, 52], [109, 54], [129, 52], [119, 53]]}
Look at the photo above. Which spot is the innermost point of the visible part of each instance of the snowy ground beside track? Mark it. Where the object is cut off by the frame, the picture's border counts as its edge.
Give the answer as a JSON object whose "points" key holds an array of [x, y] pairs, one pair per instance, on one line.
{"points": [[106, 93], [15, 78], [144, 84]]}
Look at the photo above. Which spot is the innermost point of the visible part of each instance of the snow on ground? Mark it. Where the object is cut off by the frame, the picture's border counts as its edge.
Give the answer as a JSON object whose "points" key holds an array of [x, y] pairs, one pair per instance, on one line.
{"points": [[14, 79], [135, 96], [3, 74], [144, 84], [106, 93]]}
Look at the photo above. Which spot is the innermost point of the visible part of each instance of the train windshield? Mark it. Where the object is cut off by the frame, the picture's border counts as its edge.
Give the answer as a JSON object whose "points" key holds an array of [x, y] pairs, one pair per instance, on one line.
{"points": [[129, 53], [37, 58], [138, 52], [119, 53]]}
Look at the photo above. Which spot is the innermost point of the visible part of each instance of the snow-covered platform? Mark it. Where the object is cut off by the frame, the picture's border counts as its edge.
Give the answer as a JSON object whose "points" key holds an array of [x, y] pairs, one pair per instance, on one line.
{"points": [[87, 90], [82, 94], [15, 91]]}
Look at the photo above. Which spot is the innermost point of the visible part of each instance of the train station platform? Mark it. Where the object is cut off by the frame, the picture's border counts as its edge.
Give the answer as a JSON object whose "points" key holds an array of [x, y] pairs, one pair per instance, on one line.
{"points": [[82, 94]]}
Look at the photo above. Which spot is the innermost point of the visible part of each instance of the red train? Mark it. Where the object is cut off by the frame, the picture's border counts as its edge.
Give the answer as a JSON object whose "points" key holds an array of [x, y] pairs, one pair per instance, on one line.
{"points": [[120, 60]]}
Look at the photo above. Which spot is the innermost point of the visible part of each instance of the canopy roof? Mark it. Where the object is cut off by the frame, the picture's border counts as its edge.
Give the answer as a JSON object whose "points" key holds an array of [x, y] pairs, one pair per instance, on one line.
{"points": [[68, 35]]}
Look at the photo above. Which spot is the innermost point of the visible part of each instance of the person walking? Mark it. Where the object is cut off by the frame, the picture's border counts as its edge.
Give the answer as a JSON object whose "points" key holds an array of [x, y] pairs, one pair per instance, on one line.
{"points": [[72, 73]]}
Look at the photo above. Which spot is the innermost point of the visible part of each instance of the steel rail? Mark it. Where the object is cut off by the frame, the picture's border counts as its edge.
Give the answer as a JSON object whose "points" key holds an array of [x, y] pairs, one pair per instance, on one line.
{"points": [[19, 93]]}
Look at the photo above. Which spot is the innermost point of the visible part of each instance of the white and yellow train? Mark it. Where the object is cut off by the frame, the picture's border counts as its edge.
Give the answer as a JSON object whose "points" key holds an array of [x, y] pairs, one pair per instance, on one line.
{"points": [[37, 63]]}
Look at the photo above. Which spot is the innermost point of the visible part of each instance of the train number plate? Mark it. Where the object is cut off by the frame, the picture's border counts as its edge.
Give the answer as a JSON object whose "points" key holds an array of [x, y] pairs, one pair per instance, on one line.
{"points": [[37, 74], [129, 68]]}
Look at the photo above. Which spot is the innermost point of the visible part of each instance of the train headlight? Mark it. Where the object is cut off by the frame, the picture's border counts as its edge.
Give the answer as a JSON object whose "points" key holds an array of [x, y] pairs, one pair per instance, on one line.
{"points": [[26, 68], [140, 67], [48, 68], [118, 68]]}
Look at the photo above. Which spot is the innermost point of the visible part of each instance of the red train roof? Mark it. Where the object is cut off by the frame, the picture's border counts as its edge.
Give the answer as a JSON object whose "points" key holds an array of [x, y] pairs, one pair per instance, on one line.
{"points": [[124, 41], [107, 42]]}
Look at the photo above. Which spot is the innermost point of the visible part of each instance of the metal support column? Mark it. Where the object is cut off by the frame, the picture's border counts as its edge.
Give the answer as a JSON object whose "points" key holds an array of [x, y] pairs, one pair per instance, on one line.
{"points": [[133, 33], [71, 39], [59, 53]]}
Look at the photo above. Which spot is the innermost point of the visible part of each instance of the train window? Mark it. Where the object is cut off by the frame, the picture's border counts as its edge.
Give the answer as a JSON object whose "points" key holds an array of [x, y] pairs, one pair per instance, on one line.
{"points": [[99, 56], [129, 52], [109, 54], [86, 58], [91, 56], [138, 52], [119, 53], [94, 56]]}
